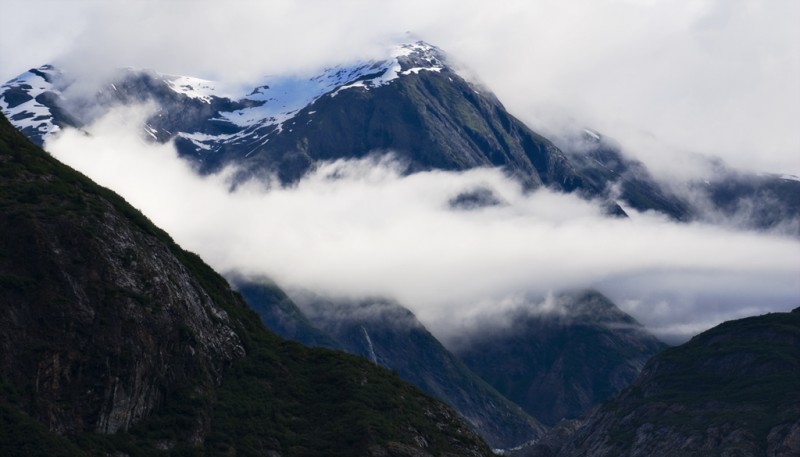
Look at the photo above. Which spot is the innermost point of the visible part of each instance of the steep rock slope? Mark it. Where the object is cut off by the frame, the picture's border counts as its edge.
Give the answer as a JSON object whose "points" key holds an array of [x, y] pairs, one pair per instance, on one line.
{"points": [[391, 336], [768, 202], [559, 363], [601, 161], [732, 390], [281, 315], [108, 326], [101, 321]]}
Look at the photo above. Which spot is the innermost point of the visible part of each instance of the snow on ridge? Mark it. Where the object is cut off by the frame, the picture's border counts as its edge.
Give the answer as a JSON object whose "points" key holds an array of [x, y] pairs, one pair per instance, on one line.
{"points": [[278, 98], [284, 96], [191, 87], [30, 114], [416, 70], [419, 47]]}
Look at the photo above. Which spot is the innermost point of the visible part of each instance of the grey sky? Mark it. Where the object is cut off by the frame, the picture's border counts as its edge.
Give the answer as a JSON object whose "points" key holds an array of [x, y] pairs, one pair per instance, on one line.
{"points": [[665, 78]]}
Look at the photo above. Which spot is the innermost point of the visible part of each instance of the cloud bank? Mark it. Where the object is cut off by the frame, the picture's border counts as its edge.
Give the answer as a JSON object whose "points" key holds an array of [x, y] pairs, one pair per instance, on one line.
{"points": [[664, 78], [359, 228]]}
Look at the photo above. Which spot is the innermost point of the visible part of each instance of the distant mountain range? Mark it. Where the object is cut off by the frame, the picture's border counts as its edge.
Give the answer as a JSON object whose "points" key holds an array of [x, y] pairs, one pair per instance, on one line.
{"points": [[390, 336]]}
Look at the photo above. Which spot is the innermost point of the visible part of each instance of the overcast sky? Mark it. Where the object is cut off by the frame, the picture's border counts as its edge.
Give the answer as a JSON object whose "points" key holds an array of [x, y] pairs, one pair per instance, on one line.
{"points": [[664, 78], [717, 77]]}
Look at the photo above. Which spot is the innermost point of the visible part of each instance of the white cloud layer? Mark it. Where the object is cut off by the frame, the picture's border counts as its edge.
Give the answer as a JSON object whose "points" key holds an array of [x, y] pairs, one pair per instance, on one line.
{"points": [[664, 78], [359, 229]]}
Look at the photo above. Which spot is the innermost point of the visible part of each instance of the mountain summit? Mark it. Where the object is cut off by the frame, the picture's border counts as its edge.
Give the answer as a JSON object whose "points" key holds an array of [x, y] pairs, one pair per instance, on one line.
{"points": [[413, 104]]}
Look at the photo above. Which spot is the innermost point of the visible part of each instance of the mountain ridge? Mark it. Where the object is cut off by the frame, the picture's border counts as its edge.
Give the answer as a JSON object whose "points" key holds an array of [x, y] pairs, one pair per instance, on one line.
{"points": [[391, 336], [413, 104], [561, 359], [731, 390]]}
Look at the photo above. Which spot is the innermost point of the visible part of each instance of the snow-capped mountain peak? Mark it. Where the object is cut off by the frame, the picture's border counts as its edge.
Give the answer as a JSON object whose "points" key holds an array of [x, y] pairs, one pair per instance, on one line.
{"points": [[283, 96], [30, 100]]}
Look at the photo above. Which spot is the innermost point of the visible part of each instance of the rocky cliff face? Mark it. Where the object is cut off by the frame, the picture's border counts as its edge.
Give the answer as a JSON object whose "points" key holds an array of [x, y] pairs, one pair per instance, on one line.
{"points": [[115, 338], [100, 321], [559, 363], [732, 390]]}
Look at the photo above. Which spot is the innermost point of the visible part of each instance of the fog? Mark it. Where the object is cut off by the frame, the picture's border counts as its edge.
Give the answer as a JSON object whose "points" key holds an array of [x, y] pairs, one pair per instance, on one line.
{"points": [[353, 229]]}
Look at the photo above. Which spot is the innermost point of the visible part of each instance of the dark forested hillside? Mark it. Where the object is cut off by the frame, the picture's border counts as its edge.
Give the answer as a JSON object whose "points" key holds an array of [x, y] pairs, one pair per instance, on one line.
{"points": [[558, 365], [731, 390], [113, 340]]}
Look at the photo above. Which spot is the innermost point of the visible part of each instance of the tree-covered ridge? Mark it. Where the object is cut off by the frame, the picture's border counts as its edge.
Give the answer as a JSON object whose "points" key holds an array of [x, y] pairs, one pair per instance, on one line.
{"points": [[137, 347]]}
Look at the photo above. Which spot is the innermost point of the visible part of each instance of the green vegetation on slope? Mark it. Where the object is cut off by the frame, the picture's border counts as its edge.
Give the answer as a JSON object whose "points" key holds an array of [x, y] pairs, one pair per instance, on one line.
{"points": [[745, 372], [732, 390], [281, 397]]}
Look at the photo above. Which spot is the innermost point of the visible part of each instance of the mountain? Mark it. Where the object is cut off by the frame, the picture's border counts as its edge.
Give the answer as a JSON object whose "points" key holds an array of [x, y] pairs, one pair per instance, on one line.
{"points": [[115, 341], [281, 315], [558, 363], [755, 201], [413, 104], [602, 162], [731, 390], [391, 336]]}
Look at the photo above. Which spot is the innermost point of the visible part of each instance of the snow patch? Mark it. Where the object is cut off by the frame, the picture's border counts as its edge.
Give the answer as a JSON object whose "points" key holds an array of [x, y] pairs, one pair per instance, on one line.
{"points": [[195, 88], [592, 134], [284, 96], [31, 114]]}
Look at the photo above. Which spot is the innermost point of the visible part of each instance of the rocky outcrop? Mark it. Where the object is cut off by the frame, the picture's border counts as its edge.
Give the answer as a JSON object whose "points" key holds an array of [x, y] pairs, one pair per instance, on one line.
{"points": [[100, 322], [732, 390]]}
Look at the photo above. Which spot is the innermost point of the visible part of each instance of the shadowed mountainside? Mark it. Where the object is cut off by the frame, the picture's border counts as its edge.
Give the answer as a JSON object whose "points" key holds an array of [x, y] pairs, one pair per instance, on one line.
{"points": [[558, 364], [732, 390], [108, 326]]}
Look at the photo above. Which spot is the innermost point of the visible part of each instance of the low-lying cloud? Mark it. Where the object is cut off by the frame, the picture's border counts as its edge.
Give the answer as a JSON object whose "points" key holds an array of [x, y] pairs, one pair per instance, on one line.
{"points": [[360, 228]]}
